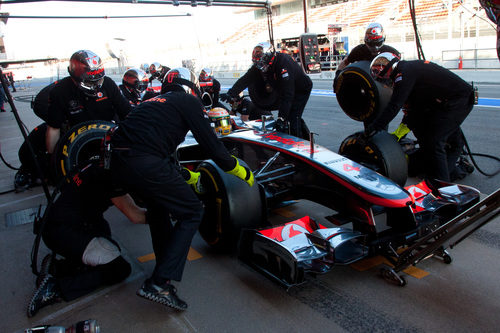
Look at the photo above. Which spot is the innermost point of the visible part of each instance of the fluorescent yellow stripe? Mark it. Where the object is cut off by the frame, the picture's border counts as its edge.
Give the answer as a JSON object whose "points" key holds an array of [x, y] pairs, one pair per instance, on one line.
{"points": [[192, 255]]}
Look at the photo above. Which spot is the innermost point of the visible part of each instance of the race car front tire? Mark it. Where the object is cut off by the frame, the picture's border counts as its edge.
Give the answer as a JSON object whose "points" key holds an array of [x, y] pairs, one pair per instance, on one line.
{"points": [[230, 206]]}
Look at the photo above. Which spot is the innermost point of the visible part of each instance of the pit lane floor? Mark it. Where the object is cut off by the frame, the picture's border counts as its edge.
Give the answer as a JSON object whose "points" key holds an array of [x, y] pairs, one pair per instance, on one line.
{"points": [[225, 295]]}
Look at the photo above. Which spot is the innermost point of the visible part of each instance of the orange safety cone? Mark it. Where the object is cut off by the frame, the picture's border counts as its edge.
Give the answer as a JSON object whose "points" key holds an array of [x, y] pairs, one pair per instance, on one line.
{"points": [[460, 63]]}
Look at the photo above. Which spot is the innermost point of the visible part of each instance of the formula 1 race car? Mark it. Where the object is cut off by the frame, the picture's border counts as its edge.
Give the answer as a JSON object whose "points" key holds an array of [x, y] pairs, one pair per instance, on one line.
{"points": [[373, 214]]}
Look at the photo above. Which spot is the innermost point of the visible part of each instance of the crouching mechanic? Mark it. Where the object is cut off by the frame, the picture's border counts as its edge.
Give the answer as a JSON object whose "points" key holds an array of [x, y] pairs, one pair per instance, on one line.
{"points": [[246, 109], [76, 230], [142, 163], [439, 101], [280, 72]]}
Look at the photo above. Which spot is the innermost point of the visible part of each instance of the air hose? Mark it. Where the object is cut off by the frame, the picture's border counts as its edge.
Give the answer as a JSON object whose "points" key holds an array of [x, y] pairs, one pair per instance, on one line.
{"points": [[471, 155]]}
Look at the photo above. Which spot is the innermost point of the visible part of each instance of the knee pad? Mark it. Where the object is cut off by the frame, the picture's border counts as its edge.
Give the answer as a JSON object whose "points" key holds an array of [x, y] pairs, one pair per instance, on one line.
{"points": [[100, 251]]}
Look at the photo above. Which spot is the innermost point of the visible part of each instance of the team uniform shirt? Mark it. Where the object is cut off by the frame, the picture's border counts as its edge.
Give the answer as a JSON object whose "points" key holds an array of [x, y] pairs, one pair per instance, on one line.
{"points": [[67, 103], [361, 52], [213, 90], [157, 126], [424, 84], [285, 75]]}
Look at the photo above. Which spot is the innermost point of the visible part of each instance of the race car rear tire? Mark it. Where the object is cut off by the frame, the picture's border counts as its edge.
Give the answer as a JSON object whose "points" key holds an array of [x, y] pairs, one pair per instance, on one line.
{"points": [[230, 206], [358, 94], [82, 143], [261, 97], [381, 153]]}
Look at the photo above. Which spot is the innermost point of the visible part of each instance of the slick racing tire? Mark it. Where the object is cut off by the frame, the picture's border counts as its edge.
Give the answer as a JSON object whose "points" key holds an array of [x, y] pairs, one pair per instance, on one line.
{"points": [[230, 205], [381, 153], [358, 94], [262, 98], [82, 143]]}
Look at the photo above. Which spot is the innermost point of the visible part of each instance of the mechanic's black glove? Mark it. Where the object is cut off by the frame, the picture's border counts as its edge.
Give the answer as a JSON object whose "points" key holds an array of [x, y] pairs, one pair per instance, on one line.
{"points": [[281, 125], [225, 97]]}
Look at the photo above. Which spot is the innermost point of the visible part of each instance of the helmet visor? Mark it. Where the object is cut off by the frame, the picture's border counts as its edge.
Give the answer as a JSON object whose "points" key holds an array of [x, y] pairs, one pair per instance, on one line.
{"points": [[90, 87], [223, 122]]}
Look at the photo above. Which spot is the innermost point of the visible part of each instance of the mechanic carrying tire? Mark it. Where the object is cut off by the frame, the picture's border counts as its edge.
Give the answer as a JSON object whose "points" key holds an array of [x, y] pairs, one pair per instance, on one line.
{"points": [[362, 98], [438, 102]]}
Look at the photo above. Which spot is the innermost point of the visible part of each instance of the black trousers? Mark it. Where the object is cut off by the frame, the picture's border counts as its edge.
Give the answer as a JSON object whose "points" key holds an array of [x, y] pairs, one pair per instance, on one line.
{"points": [[295, 116], [69, 238], [157, 182], [440, 136]]}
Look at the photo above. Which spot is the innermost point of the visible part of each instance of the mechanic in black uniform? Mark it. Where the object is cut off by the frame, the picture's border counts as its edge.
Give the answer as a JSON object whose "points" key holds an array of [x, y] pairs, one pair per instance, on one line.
{"points": [[373, 46], [134, 83], [210, 85], [87, 94], [280, 72], [76, 230], [157, 72], [438, 102], [246, 109], [142, 148], [492, 9]]}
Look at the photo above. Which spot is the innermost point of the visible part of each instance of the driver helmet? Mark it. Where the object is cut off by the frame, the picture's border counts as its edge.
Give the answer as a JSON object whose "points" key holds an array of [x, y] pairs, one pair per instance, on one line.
{"points": [[374, 37], [382, 66], [181, 79], [263, 56], [206, 75], [136, 79], [86, 69], [221, 120]]}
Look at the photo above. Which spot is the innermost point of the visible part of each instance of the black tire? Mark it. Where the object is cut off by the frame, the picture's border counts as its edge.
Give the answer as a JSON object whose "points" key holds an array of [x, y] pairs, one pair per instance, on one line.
{"points": [[82, 143], [261, 97], [381, 153], [230, 205], [358, 94]]}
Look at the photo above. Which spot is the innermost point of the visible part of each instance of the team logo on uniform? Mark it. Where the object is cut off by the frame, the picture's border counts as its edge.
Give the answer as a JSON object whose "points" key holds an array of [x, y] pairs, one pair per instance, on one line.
{"points": [[398, 78], [99, 94], [284, 73]]}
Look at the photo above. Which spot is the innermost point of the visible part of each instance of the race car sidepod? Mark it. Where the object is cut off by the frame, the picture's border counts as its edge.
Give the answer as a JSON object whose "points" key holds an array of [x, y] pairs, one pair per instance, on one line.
{"points": [[286, 252]]}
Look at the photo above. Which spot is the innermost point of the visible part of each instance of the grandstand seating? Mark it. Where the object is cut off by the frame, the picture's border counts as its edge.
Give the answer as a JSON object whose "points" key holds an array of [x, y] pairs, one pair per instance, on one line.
{"points": [[354, 13]]}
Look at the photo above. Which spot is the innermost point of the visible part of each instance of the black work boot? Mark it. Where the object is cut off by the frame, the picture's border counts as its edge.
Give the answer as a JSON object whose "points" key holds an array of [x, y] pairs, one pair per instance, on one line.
{"points": [[165, 294], [22, 181], [46, 294], [45, 268]]}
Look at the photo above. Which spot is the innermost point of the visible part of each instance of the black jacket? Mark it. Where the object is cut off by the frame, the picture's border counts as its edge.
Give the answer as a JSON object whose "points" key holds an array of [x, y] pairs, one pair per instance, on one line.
{"points": [[213, 90], [361, 52], [285, 75], [424, 85], [157, 126], [67, 103]]}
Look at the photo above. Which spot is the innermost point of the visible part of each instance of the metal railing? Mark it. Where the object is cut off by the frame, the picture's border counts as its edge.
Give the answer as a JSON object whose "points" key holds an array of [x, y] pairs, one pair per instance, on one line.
{"points": [[471, 58]]}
